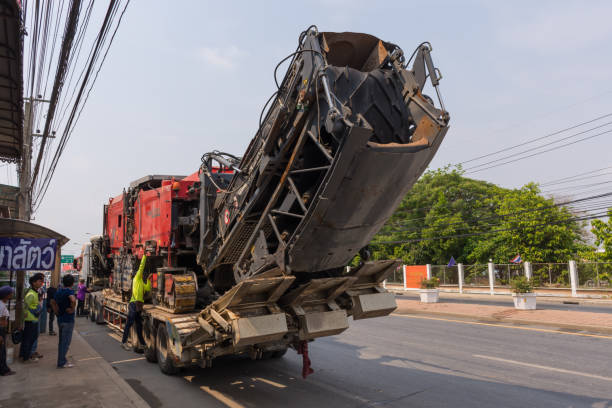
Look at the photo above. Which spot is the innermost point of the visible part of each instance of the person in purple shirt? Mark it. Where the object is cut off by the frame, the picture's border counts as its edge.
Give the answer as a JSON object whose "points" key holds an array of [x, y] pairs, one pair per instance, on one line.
{"points": [[81, 293]]}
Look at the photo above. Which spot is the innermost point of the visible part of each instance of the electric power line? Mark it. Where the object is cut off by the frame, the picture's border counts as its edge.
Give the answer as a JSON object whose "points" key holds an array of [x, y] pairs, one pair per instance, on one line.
{"points": [[542, 152], [537, 139]]}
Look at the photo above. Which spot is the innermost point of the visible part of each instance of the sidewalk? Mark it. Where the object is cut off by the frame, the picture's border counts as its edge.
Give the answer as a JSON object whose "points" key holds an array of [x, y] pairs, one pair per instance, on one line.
{"points": [[573, 320], [91, 383]]}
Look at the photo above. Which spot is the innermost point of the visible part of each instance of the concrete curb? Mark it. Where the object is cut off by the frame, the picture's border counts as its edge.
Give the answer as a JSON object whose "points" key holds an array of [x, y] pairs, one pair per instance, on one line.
{"points": [[588, 328], [486, 296], [132, 396]]}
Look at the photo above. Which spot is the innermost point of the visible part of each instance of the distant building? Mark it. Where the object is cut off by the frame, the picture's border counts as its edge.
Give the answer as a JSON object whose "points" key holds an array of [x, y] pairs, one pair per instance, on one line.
{"points": [[8, 201]]}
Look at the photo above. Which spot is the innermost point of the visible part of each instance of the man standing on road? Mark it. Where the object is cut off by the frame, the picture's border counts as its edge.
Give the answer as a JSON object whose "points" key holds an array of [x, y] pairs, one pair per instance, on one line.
{"points": [[50, 296], [33, 307], [64, 305], [5, 294], [139, 288]]}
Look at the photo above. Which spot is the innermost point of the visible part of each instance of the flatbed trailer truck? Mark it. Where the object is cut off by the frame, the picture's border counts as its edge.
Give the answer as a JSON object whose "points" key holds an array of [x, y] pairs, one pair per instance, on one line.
{"points": [[249, 254]]}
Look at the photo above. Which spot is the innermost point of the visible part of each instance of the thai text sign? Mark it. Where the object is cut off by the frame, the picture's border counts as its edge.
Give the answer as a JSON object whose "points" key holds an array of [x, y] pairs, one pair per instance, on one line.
{"points": [[36, 254]]}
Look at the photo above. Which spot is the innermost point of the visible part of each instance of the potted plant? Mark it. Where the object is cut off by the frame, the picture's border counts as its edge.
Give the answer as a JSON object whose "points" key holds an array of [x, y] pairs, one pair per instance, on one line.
{"points": [[429, 290], [522, 294]]}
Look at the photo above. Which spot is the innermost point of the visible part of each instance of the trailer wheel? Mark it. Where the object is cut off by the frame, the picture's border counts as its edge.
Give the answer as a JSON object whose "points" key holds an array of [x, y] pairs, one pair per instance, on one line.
{"points": [[279, 353], [149, 335], [164, 354], [99, 313], [95, 312], [273, 354], [134, 340]]}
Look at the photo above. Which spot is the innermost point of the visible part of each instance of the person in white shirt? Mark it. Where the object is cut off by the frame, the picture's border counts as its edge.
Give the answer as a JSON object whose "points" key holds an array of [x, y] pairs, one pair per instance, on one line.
{"points": [[6, 292]]}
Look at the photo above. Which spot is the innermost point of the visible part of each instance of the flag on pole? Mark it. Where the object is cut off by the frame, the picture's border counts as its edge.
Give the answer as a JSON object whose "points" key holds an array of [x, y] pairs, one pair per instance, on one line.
{"points": [[517, 259], [451, 262]]}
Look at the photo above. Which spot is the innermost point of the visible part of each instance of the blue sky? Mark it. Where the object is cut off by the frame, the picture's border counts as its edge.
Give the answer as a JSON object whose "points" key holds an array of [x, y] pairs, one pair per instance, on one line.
{"points": [[184, 78]]}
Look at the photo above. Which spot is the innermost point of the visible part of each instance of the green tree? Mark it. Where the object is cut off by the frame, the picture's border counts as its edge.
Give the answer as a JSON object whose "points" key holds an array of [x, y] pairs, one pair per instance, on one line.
{"points": [[446, 214], [530, 225], [603, 237]]}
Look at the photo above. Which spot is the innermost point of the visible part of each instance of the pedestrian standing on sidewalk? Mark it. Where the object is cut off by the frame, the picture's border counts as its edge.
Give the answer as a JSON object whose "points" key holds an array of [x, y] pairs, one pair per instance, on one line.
{"points": [[32, 309], [35, 353], [64, 305], [5, 294], [81, 293], [50, 295], [140, 286]]}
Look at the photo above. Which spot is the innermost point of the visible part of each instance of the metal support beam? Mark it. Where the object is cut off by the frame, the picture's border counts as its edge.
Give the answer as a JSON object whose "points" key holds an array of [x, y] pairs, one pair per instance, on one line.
{"points": [[297, 194], [309, 170], [288, 214], [321, 148]]}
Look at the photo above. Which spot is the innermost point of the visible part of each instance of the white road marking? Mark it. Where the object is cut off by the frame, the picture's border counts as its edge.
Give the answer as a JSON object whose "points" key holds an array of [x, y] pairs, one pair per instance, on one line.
{"points": [[221, 397], [90, 358], [541, 367], [127, 361], [272, 383]]}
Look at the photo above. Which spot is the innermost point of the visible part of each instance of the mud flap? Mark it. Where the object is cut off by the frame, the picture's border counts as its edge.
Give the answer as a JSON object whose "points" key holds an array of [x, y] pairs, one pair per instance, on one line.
{"points": [[369, 299], [259, 329]]}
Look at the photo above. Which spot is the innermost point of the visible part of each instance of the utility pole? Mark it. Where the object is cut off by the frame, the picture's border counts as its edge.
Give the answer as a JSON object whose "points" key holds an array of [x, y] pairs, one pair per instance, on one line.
{"points": [[25, 205], [25, 195], [25, 172]]}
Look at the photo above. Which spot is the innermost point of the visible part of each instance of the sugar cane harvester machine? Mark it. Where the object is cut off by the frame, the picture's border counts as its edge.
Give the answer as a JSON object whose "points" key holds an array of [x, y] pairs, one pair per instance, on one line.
{"points": [[250, 254]]}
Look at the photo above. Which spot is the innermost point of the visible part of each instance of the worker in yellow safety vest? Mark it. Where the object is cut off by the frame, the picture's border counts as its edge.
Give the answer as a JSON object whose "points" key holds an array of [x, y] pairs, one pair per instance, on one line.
{"points": [[140, 285], [32, 307]]}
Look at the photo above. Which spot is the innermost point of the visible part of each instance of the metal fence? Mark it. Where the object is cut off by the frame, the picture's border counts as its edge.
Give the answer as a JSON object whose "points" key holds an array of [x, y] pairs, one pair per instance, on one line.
{"points": [[397, 277], [504, 273], [476, 275], [448, 275], [591, 275], [551, 275], [597, 275]]}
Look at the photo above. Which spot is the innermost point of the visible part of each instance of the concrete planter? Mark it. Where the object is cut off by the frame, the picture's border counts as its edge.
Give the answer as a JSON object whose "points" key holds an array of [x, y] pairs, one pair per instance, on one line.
{"points": [[429, 295], [524, 301]]}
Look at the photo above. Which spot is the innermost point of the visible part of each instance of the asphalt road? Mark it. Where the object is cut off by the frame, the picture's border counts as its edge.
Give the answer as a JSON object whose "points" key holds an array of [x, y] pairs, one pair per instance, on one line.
{"points": [[396, 361], [505, 300]]}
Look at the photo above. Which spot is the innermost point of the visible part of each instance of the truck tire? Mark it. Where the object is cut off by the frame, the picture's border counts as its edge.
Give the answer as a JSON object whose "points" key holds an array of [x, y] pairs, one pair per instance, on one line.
{"points": [[273, 354], [149, 335], [95, 312], [134, 341], [279, 353], [99, 313], [164, 354]]}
